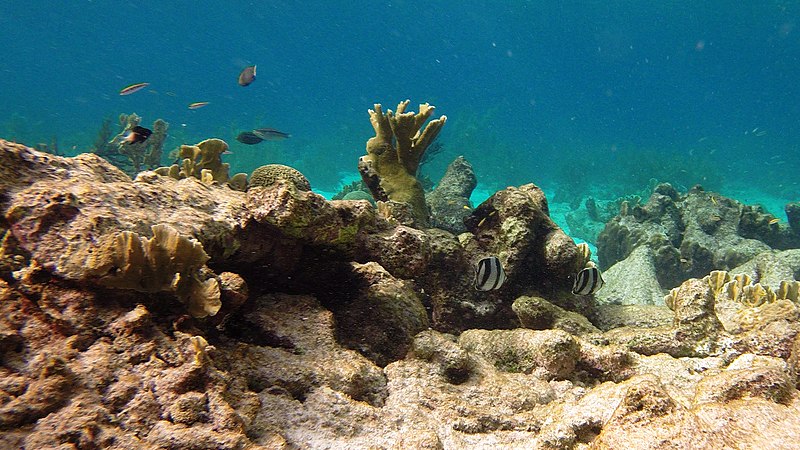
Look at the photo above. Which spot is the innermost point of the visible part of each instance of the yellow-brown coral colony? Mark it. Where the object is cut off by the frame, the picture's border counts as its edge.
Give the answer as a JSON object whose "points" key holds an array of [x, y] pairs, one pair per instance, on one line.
{"points": [[393, 155]]}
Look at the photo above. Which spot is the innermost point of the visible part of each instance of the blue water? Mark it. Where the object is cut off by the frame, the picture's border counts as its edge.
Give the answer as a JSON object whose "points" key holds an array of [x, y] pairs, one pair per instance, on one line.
{"points": [[578, 97]]}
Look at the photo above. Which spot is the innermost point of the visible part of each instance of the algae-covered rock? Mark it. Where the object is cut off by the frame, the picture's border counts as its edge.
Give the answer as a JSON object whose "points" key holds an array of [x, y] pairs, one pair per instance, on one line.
{"points": [[549, 354], [449, 201], [383, 318], [690, 235], [538, 314], [270, 173], [453, 362], [514, 224]]}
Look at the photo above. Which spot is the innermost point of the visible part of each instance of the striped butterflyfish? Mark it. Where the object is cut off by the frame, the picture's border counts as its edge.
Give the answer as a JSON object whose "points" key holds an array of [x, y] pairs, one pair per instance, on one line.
{"points": [[489, 274], [587, 281]]}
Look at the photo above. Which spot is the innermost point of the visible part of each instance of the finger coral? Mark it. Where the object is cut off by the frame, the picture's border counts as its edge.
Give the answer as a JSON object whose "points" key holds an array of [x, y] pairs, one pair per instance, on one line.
{"points": [[204, 162]]}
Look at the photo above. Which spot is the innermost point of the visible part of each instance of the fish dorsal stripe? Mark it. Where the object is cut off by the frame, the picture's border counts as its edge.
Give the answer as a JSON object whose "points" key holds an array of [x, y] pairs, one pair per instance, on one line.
{"points": [[585, 279], [497, 271], [485, 274]]}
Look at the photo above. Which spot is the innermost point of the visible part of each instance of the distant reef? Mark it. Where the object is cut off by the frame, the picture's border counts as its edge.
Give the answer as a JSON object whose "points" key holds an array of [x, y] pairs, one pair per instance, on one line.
{"points": [[170, 311]]}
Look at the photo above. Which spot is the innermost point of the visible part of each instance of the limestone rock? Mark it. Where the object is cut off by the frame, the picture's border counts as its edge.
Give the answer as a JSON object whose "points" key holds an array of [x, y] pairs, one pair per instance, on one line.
{"points": [[449, 201], [632, 281], [383, 318], [549, 354], [691, 235]]}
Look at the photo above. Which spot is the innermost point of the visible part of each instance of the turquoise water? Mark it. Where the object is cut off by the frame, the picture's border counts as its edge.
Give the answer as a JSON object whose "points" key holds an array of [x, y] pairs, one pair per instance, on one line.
{"points": [[581, 97]]}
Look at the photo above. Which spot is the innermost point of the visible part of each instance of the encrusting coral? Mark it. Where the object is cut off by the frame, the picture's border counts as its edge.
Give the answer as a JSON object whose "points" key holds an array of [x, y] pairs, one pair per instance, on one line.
{"points": [[393, 155], [204, 162], [166, 262], [145, 154]]}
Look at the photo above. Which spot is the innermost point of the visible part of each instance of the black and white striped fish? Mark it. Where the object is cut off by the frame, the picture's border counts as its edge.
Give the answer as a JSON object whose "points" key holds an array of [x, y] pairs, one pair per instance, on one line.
{"points": [[587, 281], [489, 274]]}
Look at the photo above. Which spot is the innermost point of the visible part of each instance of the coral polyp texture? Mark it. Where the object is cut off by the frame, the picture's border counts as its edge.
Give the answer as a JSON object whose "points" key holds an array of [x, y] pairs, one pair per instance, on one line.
{"points": [[270, 173], [393, 156], [162, 312]]}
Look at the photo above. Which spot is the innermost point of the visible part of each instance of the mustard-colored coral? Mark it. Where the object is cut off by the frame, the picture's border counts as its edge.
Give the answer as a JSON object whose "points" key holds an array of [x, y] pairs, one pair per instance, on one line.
{"points": [[270, 173], [393, 155], [204, 162], [742, 305], [167, 262]]}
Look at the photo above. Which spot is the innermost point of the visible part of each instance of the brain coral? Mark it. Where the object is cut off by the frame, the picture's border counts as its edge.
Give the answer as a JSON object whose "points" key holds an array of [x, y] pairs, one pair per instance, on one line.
{"points": [[268, 174]]}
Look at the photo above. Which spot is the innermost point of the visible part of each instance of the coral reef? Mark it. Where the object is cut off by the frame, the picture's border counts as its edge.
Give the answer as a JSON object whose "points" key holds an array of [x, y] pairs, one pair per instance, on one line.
{"points": [[449, 201], [204, 162], [268, 174], [322, 339], [393, 156], [145, 155]]}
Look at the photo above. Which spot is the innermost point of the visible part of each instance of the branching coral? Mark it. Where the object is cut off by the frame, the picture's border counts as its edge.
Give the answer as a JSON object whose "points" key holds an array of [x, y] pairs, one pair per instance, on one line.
{"points": [[167, 262], [204, 162], [393, 155]]}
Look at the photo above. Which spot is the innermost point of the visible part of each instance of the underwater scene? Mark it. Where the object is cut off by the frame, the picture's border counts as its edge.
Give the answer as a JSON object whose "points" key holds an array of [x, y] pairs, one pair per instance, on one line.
{"points": [[399, 225]]}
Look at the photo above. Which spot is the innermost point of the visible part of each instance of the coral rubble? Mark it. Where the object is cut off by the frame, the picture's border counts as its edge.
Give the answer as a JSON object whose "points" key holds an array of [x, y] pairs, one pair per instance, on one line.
{"points": [[337, 328]]}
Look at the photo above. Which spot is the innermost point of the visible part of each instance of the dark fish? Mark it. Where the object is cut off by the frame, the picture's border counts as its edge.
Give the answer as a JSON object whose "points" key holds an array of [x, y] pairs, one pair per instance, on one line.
{"points": [[489, 274], [587, 281], [137, 134], [271, 134], [247, 75], [128, 90], [248, 137]]}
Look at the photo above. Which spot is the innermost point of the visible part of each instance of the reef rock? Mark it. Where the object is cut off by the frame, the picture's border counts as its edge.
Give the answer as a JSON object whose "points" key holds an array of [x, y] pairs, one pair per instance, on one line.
{"points": [[632, 281], [449, 201], [691, 235]]}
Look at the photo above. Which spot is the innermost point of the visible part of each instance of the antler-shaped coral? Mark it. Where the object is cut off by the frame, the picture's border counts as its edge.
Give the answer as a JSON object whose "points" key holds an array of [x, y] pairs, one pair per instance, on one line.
{"points": [[390, 166]]}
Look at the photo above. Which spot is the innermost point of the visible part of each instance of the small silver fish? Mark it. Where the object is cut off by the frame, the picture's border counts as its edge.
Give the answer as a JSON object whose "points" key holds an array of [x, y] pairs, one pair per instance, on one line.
{"points": [[271, 134], [489, 274]]}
